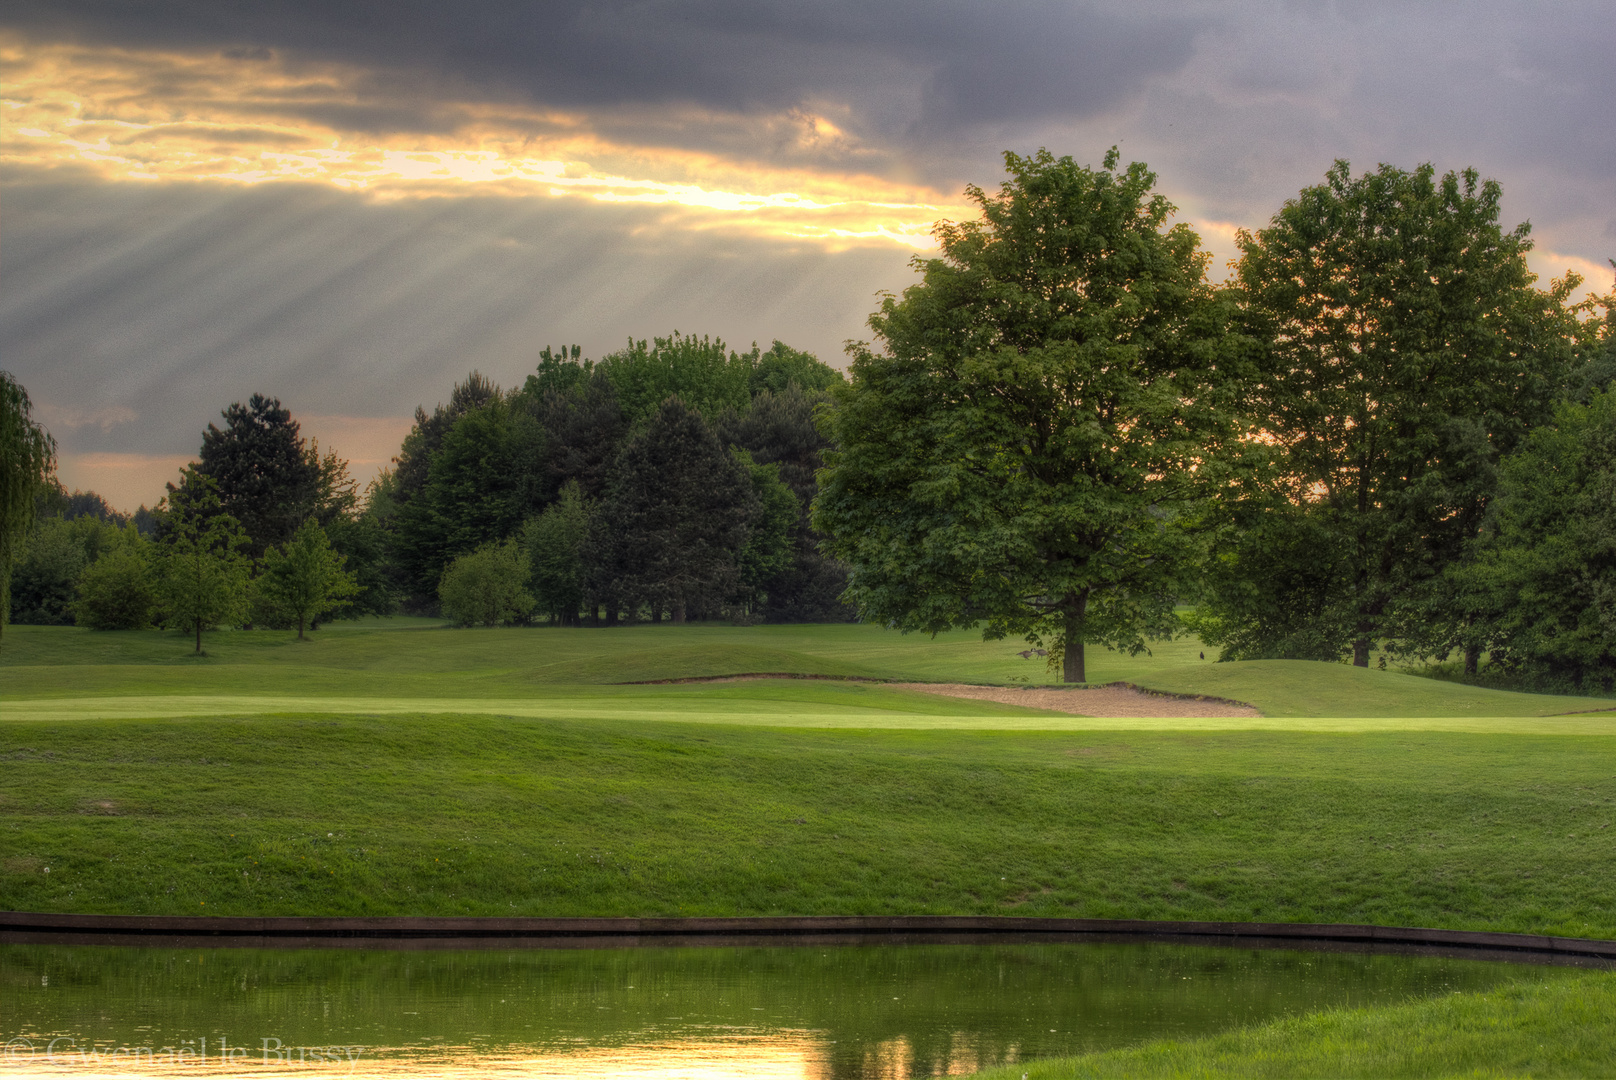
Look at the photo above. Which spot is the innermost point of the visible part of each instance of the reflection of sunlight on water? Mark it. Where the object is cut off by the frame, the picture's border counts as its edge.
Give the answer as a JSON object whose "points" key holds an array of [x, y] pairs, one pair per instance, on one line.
{"points": [[774, 1056]]}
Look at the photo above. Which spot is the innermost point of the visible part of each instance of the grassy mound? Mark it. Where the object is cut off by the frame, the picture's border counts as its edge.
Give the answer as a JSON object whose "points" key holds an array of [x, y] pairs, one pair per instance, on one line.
{"points": [[422, 814], [1560, 1027]]}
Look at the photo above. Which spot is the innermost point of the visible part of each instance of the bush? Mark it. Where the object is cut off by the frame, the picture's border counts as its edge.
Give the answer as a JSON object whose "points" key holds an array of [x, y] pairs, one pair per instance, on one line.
{"points": [[116, 592], [487, 587]]}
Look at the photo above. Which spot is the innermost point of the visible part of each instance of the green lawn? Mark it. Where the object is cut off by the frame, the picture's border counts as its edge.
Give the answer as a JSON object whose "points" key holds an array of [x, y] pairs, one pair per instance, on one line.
{"points": [[401, 768], [1558, 1027], [399, 663]]}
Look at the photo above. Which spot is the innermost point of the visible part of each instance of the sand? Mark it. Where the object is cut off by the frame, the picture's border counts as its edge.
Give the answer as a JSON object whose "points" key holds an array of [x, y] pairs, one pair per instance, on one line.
{"points": [[1104, 701]]}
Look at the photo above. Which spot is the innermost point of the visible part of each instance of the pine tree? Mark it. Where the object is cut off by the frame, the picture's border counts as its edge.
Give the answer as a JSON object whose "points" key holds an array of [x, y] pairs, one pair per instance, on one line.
{"points": [[676, 518]]}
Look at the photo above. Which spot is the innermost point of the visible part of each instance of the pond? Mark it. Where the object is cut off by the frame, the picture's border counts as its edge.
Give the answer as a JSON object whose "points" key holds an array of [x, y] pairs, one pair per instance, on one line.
{"points": [[820, 1011]]}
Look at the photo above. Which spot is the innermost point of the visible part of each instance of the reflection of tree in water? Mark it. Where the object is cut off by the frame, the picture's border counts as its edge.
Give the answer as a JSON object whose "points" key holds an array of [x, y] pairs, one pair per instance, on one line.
{"points": [[873, 1011]]}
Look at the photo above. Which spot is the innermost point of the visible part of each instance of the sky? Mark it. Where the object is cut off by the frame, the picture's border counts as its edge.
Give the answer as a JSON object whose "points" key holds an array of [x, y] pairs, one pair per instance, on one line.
{"points": [[350, 204]]}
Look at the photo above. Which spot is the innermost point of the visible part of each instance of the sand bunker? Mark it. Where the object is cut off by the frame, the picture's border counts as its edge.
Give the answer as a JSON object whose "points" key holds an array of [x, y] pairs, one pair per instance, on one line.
{"points": [[1104, 701]]}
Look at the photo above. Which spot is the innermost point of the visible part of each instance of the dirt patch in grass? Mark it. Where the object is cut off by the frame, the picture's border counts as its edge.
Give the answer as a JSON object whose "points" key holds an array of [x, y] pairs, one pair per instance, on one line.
{"points": [[1120, 699]]}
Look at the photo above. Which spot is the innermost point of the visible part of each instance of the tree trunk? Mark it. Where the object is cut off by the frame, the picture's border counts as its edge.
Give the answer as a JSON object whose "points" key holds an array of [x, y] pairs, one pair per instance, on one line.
{"points": [[1472, 659], [1360, 652], [300, 636], [1073, 669], [679, 613], [199, 637]]}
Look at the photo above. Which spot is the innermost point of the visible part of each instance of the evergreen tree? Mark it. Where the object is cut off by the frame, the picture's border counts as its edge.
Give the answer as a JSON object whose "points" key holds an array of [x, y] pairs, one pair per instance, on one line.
{"points": [[769, 540], [305, 579], [780, 429], [203, 577], [414, 459], [484, 481], [583, 426], [675, 520], [263, 473]]}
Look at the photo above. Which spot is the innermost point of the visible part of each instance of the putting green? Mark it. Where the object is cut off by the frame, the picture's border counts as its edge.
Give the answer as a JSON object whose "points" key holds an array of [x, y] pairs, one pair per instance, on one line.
{"points": [[882, 709]]}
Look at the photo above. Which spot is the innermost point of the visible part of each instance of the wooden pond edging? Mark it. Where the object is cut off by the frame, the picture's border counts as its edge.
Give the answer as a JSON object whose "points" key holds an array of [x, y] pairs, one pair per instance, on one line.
{"points": [[472, 932]]}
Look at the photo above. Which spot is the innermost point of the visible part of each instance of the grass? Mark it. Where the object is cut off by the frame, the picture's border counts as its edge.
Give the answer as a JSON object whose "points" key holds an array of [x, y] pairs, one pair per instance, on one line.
{"points": [[484, 815], [1559, 1027], [396, 767], [397, 662]]}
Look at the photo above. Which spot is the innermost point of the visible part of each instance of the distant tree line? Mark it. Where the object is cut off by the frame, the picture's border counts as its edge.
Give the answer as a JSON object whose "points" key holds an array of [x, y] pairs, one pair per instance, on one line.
{"points": [[669, 480]]}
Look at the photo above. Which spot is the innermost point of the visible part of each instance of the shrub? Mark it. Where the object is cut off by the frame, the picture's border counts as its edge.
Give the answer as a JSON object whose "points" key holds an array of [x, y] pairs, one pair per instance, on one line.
{"points": [[487, 587], [116, 592]]}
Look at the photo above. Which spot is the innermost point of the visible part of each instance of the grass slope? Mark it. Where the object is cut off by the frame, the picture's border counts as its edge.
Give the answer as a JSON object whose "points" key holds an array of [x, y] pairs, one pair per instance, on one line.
{"points": [[488, 815], [1559, 1027], [405, 660]]}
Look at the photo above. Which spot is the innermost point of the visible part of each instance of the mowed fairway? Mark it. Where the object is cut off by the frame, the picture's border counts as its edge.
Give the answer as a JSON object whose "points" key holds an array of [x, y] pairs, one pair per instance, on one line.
{"points": [[398, 768]]}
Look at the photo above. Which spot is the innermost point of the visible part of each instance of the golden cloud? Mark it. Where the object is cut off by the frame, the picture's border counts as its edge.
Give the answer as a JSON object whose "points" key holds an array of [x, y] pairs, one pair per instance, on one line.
{"points": [[126, 115]]}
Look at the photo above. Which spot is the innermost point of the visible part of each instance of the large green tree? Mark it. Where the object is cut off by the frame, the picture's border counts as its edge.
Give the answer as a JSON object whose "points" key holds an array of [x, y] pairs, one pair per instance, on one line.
{"points": [[204, 579], [1026, 451], [1407, 349], [27, 464]]}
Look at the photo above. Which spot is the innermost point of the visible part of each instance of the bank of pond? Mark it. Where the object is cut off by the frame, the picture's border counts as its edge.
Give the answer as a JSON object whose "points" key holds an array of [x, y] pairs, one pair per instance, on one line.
{"points": [[806, 1009]]}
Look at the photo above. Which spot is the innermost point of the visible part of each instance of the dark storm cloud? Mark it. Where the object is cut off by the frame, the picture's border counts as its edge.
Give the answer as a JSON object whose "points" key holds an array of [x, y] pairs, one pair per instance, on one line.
{"points": [[172, 302], [963, 62]]}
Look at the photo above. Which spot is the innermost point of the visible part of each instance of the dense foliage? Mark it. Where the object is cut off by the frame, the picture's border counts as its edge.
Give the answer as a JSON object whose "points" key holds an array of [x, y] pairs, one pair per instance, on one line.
{"points": [[1406, 352], [1381, 435], [27, 459], [1029, 449]]}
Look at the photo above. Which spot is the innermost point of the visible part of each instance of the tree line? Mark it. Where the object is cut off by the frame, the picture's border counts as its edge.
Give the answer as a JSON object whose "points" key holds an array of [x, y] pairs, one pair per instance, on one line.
{"points": [[1378, 436], [669, 480]]}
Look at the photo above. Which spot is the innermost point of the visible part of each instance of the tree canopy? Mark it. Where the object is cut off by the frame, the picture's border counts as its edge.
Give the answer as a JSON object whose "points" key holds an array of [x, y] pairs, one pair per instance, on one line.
{"points": [[1406, 350], [1026, 452]]}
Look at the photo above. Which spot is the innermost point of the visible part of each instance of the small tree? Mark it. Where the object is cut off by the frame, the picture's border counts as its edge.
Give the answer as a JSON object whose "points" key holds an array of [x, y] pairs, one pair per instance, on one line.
{"points": [[554, 542], [27, 460], [203, 577], [117, 591], [305, 578], [769, 550], [487, 586]]}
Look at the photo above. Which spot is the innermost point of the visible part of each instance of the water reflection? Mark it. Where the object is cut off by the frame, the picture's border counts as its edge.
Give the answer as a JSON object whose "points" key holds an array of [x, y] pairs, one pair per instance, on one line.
{"points": [[828, 1013]]}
